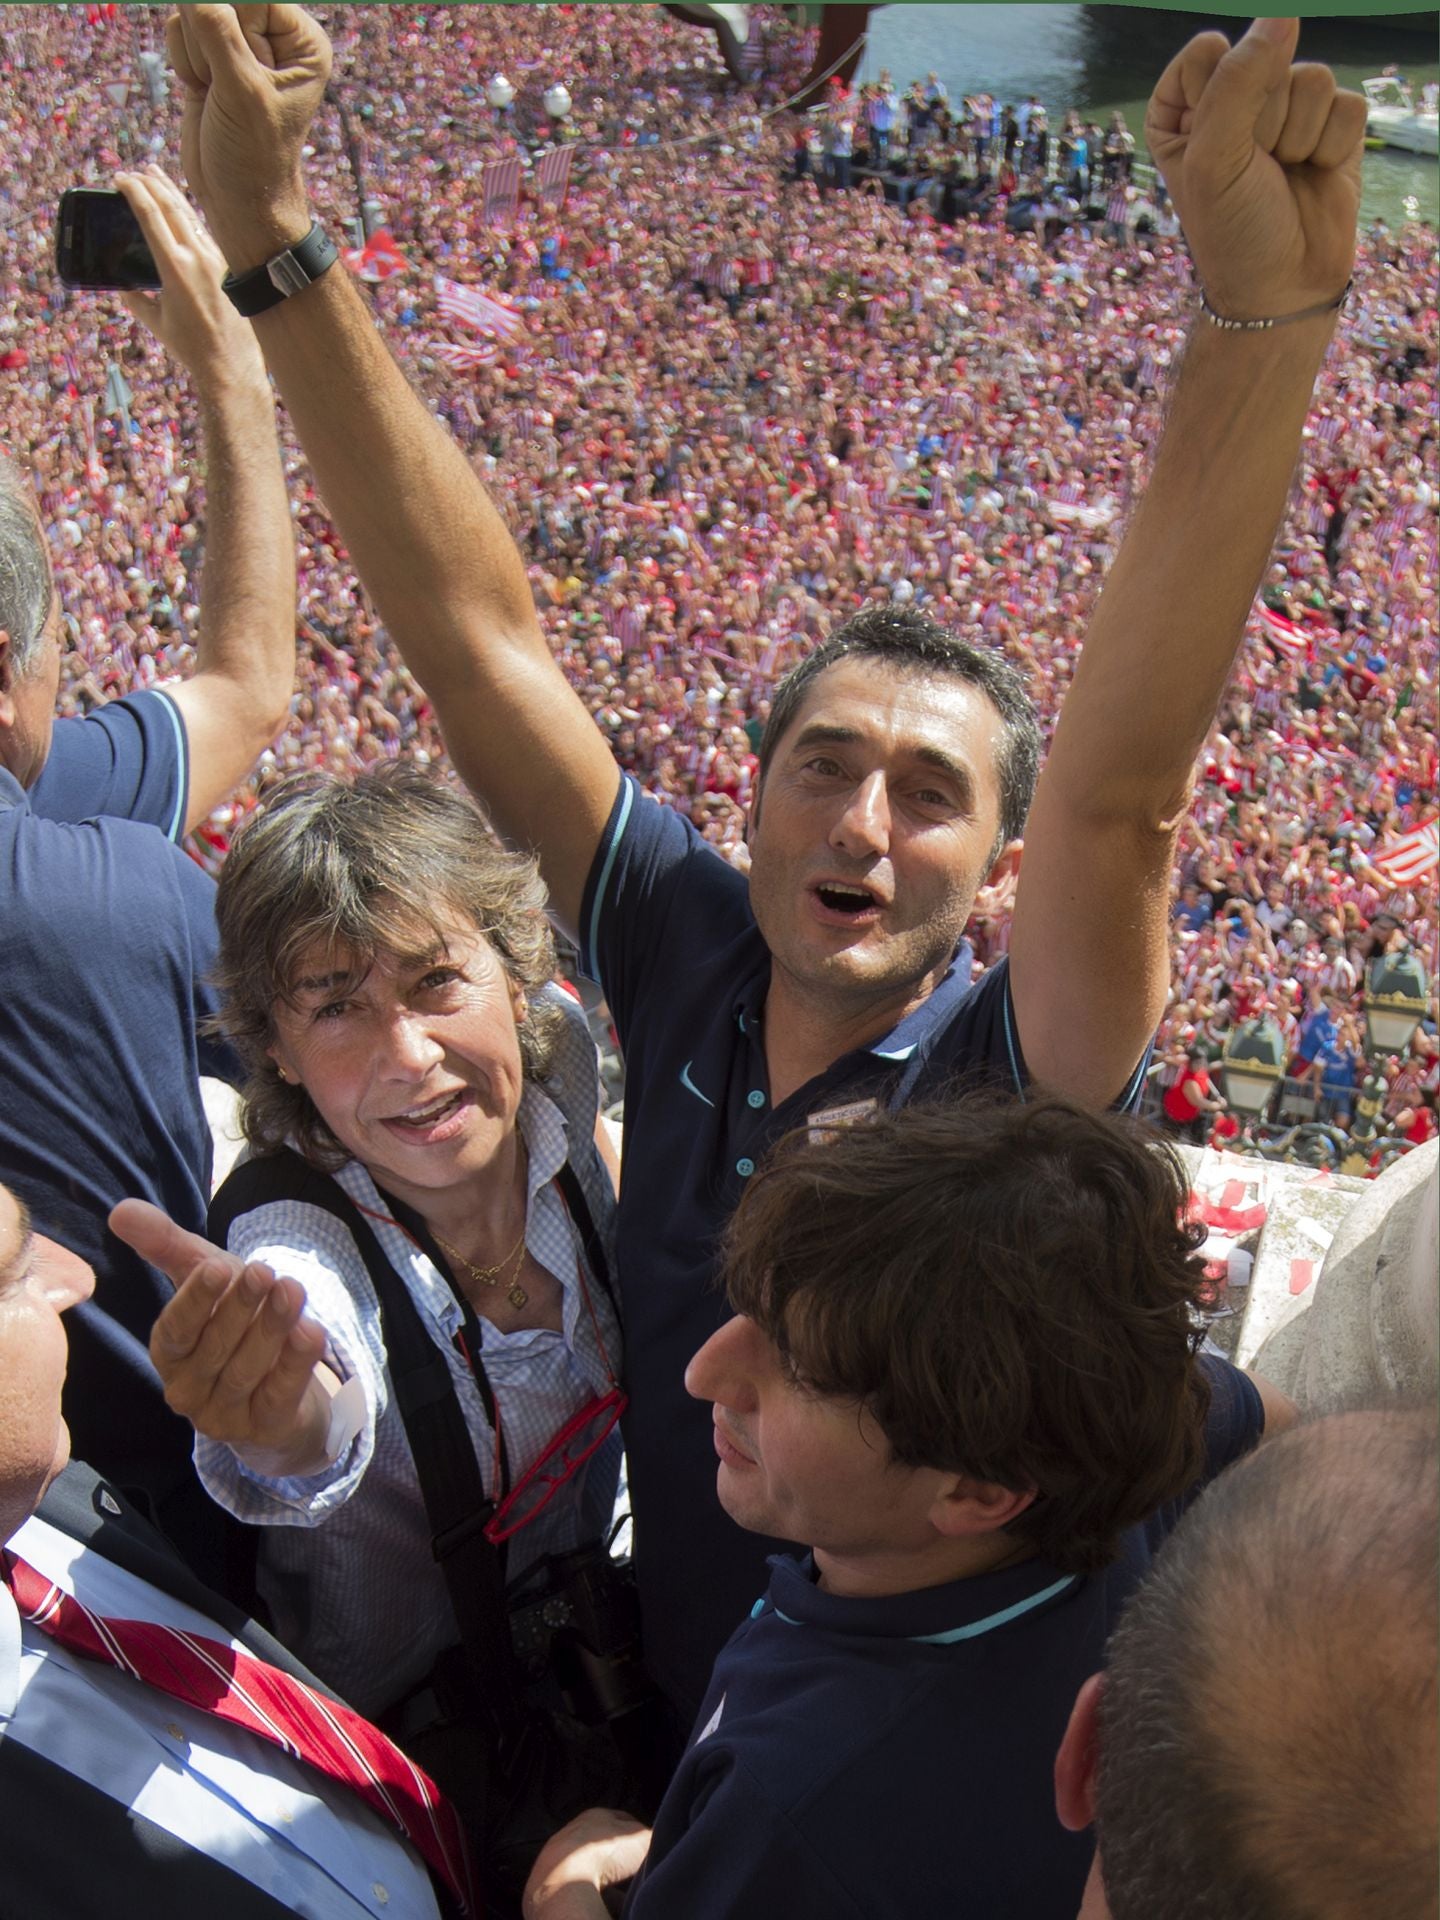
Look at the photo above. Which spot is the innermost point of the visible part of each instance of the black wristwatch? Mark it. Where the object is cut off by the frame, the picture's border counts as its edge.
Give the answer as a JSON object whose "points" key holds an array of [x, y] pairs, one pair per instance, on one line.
{"points": [[266, 286]]}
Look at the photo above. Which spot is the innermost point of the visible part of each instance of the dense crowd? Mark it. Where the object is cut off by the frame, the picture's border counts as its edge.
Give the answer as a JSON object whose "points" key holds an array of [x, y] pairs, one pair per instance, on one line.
{"points": [[739, 409], [312, 1595]]}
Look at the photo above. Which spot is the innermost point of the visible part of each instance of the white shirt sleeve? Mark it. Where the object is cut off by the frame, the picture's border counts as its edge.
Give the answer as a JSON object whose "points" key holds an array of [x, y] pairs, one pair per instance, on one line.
{"points": [[308, 1244]]}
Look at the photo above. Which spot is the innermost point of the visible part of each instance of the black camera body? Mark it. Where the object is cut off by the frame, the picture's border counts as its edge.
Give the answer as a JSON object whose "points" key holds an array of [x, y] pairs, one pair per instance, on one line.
{"points": [[98, 242], [595, 1730], [582, 1628]]}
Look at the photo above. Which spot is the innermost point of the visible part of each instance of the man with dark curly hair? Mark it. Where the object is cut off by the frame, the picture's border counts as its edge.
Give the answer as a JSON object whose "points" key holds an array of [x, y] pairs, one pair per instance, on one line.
{"points": [[963, 1366]]}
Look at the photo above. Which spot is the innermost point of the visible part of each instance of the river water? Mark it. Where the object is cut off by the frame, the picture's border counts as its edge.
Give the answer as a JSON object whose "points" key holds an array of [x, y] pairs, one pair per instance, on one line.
{"points": [[1098, 58]]}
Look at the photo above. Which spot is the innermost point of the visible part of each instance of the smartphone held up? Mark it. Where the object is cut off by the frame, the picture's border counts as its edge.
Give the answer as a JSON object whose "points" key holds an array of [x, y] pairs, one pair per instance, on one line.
{"points": [[98, 242]]}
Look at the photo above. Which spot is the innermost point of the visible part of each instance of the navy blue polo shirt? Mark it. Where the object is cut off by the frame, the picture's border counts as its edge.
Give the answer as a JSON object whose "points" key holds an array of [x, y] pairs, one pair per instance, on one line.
{"points": [[107, 936], [893, 1758], [667, 932], [129, 760]]}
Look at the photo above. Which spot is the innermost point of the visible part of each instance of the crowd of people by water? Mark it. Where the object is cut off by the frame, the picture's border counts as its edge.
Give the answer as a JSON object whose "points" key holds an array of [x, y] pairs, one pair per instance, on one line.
{"points": [[739, 407], [824, 609]]}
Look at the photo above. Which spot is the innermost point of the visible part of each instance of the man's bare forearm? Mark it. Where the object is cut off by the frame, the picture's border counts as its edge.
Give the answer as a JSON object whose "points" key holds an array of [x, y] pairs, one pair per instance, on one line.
{"points": [[404, 497], [1172, 615], [429, 543], [247, 590], [447, 578], [1091, 938], [424, 537], [1262, 158]]}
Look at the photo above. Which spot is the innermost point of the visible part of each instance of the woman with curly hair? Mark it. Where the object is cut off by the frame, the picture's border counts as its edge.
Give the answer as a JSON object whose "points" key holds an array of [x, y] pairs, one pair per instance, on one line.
{"points": [[421, 1113]]}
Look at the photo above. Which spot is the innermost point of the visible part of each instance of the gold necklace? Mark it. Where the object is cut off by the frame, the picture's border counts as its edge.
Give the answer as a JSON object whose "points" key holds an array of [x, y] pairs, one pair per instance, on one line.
{"points": [[491, 1276]]}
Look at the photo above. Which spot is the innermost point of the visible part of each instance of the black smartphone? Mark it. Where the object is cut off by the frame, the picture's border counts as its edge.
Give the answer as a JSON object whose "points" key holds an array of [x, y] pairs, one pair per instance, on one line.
{"points": [[98, 242]]}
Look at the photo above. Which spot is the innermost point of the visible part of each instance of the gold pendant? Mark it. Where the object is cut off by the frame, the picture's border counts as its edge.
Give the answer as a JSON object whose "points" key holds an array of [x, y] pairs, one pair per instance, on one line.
{"points": [[517, 1296]]}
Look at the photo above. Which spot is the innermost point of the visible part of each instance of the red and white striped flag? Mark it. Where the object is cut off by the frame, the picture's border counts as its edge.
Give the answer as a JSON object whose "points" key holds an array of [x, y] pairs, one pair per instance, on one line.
{"points": [[377, 259], [1281, 632], [463, 358], [552, 176], [485, 312], [501, 190], [1412, 856]]}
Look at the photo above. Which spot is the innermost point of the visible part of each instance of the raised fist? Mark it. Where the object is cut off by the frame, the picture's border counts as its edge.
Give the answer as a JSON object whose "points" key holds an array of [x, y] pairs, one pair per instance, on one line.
{"points": [[1262, 160], [253, 78]]}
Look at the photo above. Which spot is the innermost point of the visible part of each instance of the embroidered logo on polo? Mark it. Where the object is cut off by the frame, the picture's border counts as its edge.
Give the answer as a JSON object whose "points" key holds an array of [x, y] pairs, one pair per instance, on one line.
{"points": [[823, 1124], [690, 1086], [712, 1723]]}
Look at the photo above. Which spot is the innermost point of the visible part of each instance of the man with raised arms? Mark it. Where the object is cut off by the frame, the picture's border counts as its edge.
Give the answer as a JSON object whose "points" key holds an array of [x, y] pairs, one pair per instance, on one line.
{"points": [[107, 927], [896, 771]]}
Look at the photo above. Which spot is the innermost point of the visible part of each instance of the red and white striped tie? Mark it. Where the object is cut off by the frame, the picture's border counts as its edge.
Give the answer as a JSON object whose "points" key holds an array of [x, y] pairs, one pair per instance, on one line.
{"points": [[250, 1693]]}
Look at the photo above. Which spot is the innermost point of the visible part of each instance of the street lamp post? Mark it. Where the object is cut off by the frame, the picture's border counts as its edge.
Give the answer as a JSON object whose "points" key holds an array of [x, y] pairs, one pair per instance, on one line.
{"points": [[1395, 1000], [501, 96], [366, 223], [1252, 1066], [557, 103], [1365, 1127]]}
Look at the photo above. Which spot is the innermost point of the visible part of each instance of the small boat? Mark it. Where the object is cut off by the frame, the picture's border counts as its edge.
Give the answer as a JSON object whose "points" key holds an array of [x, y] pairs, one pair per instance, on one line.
{"points": [[1395, 120]]}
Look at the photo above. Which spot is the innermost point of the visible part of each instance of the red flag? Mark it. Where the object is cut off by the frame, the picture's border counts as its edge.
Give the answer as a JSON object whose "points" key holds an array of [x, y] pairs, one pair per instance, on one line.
{"points": [[1281, 632], [378, 258], [463, 358], [1412, 856], [485, 312]]}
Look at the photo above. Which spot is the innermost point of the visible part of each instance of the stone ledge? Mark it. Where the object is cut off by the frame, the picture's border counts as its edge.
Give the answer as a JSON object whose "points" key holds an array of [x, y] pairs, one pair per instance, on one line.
{"points": [[1364, 1253]]}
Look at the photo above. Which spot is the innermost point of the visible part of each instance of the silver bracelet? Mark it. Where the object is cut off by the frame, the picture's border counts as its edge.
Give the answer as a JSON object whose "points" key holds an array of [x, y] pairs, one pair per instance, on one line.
{"points": [[1279, 320]]}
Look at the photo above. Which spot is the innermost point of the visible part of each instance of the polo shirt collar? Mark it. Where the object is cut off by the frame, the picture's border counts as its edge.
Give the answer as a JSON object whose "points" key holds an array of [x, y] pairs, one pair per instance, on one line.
{"points": [[903, 1038], [920, 1022], [952, 1614]]}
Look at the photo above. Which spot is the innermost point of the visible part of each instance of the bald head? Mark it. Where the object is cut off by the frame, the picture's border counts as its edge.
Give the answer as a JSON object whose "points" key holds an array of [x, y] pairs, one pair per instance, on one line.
{"points": [[1268, 1728]]}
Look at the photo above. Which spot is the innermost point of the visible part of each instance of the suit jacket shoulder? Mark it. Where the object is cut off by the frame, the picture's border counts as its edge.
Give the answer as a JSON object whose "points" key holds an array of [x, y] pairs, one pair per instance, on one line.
{"points": [[80, 1503], [69, 1848]]}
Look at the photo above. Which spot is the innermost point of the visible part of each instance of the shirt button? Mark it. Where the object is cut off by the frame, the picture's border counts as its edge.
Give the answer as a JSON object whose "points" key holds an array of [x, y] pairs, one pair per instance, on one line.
{"points": [[755, 1098], [175, 1733], [745, 1167], [382, 1894]]}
